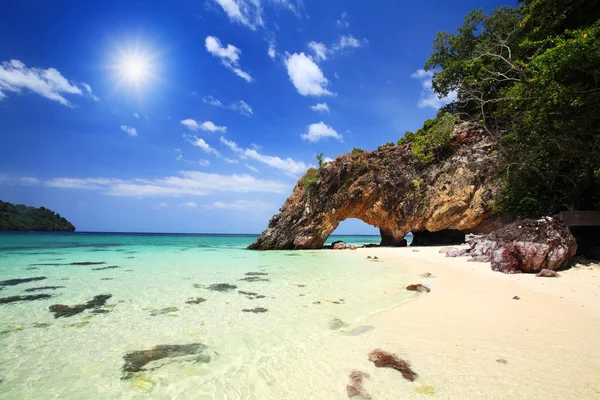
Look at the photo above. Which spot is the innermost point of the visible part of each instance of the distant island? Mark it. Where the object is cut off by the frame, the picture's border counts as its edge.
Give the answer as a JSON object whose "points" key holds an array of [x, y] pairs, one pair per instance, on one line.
{"points": [[20, 217]]}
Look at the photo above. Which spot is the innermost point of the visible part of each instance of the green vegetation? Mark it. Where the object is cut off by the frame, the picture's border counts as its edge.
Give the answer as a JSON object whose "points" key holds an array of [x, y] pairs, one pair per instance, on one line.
{"points": [[530, 76], [357, 150], [310, 180], [319, 157], [23, 218], [431, 141]]}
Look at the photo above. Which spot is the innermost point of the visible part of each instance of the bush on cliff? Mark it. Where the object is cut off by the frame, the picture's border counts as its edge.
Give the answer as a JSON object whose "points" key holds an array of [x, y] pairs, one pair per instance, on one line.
{"points": [[430, 142]]}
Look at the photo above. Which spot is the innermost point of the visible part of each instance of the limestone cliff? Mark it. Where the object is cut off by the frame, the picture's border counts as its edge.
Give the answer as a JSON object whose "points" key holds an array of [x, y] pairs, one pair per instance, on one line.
{"points": [[389, 189]]}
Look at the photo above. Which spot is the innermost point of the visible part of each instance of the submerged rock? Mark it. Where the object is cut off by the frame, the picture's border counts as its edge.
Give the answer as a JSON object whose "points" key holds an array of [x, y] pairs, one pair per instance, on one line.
{"points": [[13, 299], [255, 310], [87, 263], [426, 275], [383, 359], [135, 361], [418, 288], [103, 268], [355, 387], [255, 279], [13, 282], [222, 287], [256, 273], [37, 289], [62, 310], [547, 273], [163, 311], [336, 324], [196, 300], [360, 330]]}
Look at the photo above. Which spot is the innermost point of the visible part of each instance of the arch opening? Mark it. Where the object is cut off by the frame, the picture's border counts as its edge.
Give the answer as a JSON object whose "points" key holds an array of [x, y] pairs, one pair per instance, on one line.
{"points": [[354, 231]]}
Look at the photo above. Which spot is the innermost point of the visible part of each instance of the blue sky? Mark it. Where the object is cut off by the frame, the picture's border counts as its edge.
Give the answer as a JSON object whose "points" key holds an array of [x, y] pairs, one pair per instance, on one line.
{"points": [[199, 116]]}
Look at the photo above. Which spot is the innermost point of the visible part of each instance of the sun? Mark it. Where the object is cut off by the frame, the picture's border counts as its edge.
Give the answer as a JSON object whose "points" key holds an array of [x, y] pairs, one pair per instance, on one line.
{"points": [[135, 68]]}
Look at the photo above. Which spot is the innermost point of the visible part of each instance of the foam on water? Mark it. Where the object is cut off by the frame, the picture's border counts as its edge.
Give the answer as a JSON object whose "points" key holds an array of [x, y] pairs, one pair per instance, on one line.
{"points": [[288, 352]]}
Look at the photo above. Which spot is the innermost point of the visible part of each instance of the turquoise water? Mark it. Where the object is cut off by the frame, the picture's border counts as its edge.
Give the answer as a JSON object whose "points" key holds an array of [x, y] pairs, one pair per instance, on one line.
{"points": [[309, 299]]}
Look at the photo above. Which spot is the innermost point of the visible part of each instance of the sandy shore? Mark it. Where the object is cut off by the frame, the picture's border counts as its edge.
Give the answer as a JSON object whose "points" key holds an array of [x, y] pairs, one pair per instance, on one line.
{"points": [[455, 335]]}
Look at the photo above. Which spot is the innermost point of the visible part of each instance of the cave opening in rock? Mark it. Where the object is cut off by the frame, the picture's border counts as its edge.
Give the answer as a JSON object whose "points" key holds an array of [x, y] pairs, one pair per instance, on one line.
{"points": [[354, 231]]}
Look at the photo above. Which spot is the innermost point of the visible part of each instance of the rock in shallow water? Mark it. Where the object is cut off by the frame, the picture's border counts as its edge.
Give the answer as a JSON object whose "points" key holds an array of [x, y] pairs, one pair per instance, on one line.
{"points": [[13, 299], [163, 311], [62, 310], [255, 310], [418, 288], [37, 289], [135, 361], [383, 359], [222, 287], [103, 268], [13, 282], [196, 300], [355, 387], [336, 324]]}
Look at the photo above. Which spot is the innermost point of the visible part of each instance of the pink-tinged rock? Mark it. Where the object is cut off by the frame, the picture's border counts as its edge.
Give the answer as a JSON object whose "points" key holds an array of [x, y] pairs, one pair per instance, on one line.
{"points": [[383, 359], [339, 245], [355, 387], [547, 273], [527, 246], [444, 250], [418, 288]]}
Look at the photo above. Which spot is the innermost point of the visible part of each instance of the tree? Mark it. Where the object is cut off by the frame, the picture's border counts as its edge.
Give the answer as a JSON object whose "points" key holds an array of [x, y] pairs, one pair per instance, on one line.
{"points": [[319, 159]]}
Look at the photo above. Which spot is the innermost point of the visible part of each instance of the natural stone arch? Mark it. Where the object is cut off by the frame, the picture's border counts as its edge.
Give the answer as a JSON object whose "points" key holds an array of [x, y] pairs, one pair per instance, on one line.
{"points": [[388, 189]]}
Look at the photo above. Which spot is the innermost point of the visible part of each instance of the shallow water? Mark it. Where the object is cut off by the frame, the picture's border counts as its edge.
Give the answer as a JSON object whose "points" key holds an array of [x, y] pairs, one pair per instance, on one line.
{"points": [[290, 351]]}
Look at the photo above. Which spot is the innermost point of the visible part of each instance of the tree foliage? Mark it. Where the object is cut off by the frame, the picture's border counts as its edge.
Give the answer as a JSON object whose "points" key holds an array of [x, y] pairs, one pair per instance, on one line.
{"points": [[430, 142], [22, 218], [531, 76]]}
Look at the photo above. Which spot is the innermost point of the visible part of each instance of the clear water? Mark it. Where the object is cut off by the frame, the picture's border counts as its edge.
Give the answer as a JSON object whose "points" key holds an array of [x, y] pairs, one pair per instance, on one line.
{"points": [[287, 352]]}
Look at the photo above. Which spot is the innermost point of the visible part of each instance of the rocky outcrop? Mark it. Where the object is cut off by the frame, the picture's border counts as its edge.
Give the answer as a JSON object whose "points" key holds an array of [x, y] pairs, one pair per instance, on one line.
{"points": [[389, 189], [527, 245]]}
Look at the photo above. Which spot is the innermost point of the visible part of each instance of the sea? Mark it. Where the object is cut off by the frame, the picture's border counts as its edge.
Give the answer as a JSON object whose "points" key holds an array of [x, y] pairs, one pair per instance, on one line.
{"points": [[185, 316]]}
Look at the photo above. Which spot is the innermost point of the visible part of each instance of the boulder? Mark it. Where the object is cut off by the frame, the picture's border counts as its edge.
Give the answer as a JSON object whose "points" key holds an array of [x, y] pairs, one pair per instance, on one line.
{"points": [[384, 359], [355, 387], [527, 245], [338, 245]]}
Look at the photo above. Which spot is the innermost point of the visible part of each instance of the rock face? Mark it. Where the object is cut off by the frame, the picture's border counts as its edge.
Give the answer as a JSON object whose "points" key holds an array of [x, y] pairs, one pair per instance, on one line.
{"points": [[389, 189], [526, 246]]}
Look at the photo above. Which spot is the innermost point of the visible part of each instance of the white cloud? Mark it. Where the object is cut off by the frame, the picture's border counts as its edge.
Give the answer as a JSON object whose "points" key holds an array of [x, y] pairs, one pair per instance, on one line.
{"points": [[320, 131], [29, 181], [190, 204], [230, 161], [242, 107], [49, 83], [136, 115], [204, 163], [129, 130], [287, 165], [163, 205], [89, 91], [186, 183], [271, 50], [250, 12], [428, 97], [212, 101], [319, 49], [229, 56], [209, 126], [327, 159], [322, 52], [242, 205], [201, 144], [320, 107], [343, 21], [251, 168], [306, 76]]}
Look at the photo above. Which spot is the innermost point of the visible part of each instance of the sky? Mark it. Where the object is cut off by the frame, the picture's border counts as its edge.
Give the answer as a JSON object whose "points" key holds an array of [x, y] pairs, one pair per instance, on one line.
{"points": [[200, 116]]}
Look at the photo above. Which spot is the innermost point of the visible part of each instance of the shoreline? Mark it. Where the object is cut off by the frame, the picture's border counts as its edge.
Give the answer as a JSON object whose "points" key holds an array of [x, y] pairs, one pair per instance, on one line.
{"points": [[469, 339]]}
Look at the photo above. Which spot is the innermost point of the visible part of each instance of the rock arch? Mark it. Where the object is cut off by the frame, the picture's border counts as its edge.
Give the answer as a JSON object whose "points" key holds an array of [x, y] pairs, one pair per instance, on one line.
{"points": [[388, 189]]}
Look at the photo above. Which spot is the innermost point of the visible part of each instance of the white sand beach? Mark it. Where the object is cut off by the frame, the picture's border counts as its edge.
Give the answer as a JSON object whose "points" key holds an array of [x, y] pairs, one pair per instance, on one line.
{"points": [[546, 342]]}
